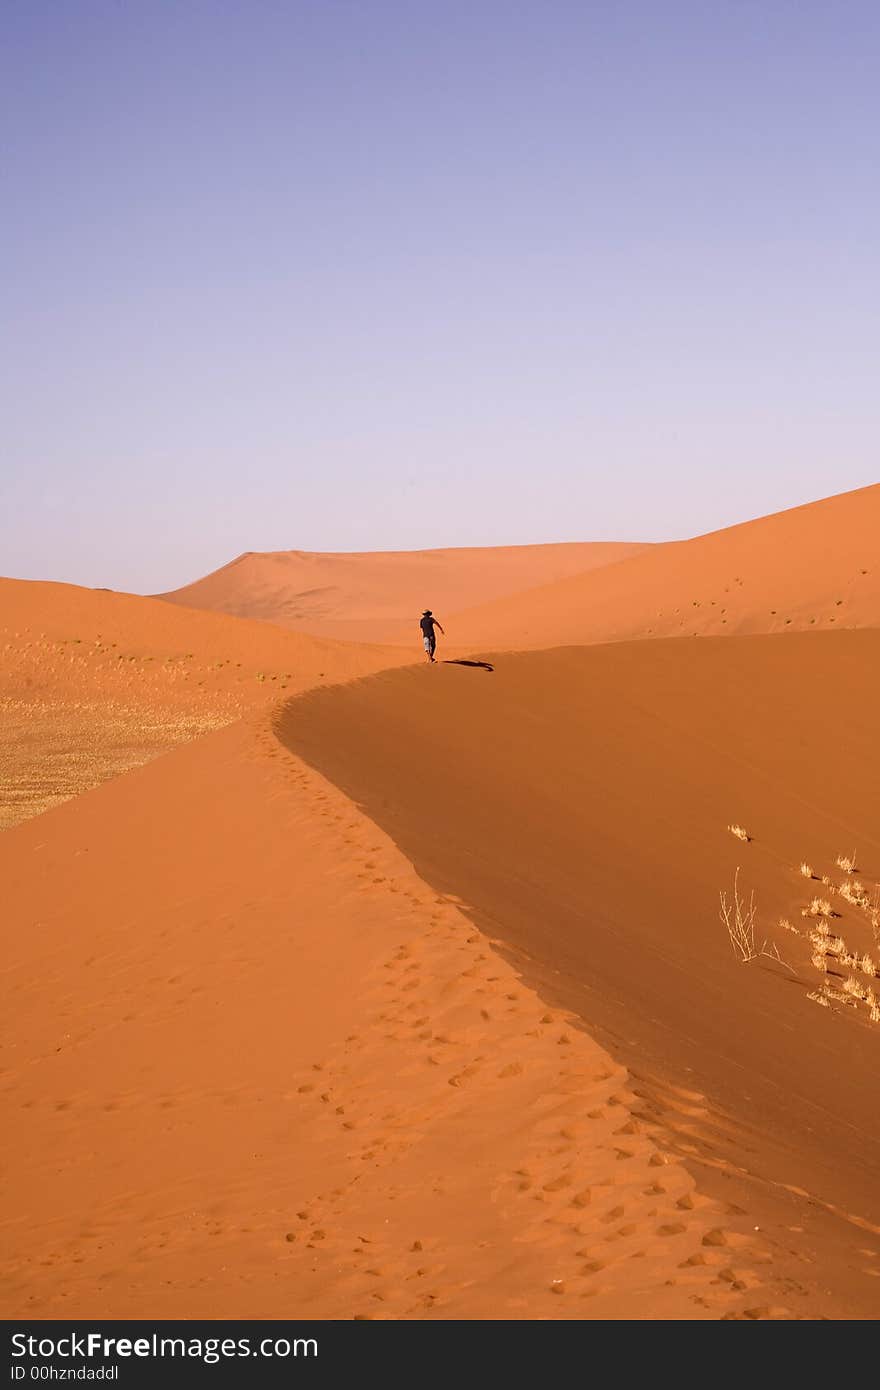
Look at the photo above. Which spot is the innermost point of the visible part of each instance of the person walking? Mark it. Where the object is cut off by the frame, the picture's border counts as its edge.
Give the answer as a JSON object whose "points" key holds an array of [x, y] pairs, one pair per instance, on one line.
{"points": [[427, 623]]}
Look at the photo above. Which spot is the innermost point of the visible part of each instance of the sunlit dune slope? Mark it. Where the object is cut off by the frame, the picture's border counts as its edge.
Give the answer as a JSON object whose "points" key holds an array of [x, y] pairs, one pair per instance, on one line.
{"points": [[94, 682], [379, 596], [814, 567]]}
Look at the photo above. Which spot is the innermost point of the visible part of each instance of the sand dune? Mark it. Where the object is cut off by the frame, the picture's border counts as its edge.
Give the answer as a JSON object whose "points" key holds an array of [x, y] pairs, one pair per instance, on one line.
{"points": [[577, 801], [379, 596], [408, 996], [261, 1069], [812, 567], [134, 642], [93, 682]]}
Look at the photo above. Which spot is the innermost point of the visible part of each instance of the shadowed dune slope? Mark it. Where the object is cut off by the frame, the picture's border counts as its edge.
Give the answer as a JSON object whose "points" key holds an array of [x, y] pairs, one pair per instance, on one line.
{"points": [[814, 567], [577, 801], [379, 596]]}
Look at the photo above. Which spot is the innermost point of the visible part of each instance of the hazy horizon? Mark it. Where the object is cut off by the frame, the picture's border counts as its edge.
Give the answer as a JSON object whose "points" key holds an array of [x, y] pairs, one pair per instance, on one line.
{"points": [[572, 540], [329, 277]]}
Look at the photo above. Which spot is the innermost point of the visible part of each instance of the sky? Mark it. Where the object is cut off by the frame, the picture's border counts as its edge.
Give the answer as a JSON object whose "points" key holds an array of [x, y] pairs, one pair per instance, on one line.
{"points": [[395, 274]]}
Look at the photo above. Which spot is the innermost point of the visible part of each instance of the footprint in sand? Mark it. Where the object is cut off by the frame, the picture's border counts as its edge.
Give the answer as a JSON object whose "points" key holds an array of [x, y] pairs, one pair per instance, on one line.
{"points": [[613, 1215], [559, 1183], [715, 1237], [512, 1069]]}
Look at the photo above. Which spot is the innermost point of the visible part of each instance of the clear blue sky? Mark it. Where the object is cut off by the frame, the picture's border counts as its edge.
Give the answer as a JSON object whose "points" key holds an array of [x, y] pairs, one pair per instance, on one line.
{"points": [[365, 274]]}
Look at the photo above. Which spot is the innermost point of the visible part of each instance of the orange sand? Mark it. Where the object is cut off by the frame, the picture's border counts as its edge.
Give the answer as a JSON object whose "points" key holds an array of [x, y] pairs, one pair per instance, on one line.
{"points": [[61, 639], [577, 801], [378, 597], [814, 567], [811, 567], [262, 1069], [93, 683], [408, 997]]}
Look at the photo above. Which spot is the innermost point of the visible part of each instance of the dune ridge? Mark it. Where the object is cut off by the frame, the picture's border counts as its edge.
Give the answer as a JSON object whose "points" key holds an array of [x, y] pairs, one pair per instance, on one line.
{"points": [[578, 801], [245, 1088], [811, 567]]}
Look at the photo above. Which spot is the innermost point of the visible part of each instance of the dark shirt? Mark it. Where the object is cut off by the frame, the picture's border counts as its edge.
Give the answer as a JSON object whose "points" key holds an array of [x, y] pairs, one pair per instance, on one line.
{"points": [[427, 625]]}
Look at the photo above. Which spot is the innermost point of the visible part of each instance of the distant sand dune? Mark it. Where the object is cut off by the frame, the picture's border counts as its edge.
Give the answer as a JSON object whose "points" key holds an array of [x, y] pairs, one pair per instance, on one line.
{"points": [[379, 596], [814, 567]]}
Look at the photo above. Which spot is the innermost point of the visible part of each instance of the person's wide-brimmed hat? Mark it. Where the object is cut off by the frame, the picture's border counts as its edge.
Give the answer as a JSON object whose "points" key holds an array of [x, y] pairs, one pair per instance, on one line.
{"points": [[426, 613]]}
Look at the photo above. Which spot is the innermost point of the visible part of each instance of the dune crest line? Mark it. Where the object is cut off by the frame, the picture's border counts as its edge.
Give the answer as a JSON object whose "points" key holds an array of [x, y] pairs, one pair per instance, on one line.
{"points": [[368, 1114], [580, 802]]}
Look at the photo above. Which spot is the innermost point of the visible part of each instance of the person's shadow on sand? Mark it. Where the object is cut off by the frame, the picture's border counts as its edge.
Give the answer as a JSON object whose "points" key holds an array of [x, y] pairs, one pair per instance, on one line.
{"points": [[483, 665]]}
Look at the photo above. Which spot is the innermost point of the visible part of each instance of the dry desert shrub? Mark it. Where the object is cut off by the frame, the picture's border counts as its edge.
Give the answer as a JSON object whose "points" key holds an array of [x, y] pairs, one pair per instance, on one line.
{"points": [[739, 919], [807, 870], [838, 996], [854, 987], [826, 943], [818, 907], [853, 991], [854, 892], [740, 832], [771, 951]]}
